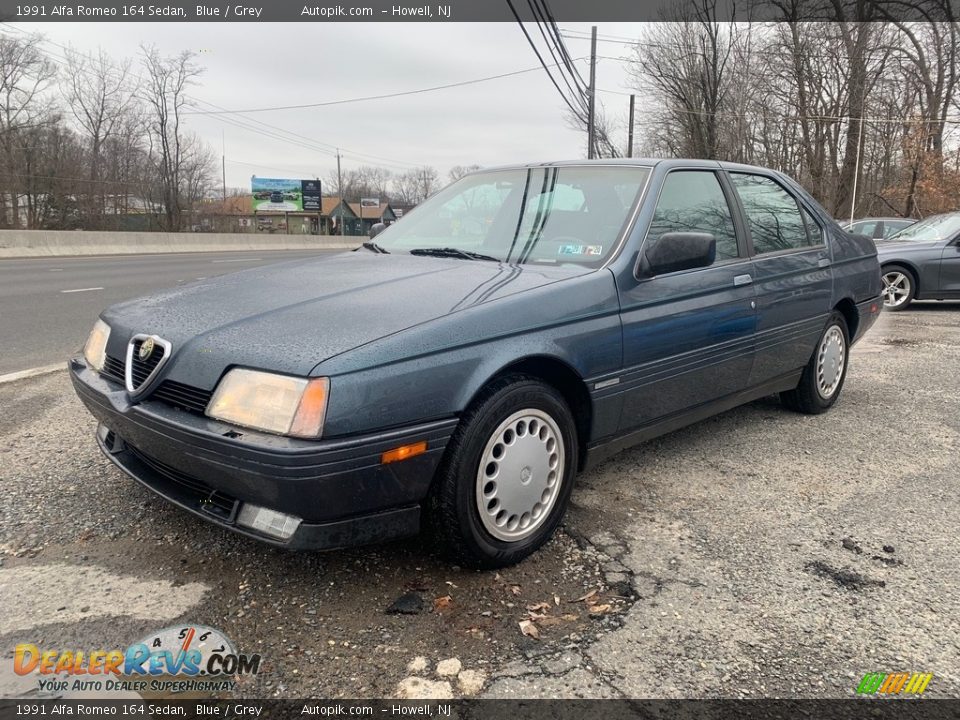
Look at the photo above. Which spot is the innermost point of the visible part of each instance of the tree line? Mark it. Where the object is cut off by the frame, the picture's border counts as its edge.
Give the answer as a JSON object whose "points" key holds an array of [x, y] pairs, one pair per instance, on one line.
{"points": [[88, 138], [860, 105], [87, 141]]}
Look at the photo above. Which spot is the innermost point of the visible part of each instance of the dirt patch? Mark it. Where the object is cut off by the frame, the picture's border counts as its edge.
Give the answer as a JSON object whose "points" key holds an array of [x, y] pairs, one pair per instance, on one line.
{"points": [[847, 579], [328, 624], [900, 342]]}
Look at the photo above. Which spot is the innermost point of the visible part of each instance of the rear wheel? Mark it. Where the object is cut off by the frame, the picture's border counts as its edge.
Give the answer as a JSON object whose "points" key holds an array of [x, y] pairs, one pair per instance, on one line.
{"points": [[507, 475], [899, 287], [823, 377]]}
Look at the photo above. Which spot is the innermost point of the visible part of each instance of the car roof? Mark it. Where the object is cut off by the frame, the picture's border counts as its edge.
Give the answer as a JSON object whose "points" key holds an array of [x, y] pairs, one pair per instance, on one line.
{"points": [[632, 162]]}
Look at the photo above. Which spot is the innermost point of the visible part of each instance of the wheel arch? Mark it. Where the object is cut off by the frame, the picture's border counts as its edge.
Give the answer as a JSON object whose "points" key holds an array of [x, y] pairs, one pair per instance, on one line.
{"points": [[564, 379], [848, 309]]}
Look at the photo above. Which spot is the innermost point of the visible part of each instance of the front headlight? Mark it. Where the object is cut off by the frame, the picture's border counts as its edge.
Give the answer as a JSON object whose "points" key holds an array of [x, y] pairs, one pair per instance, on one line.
{"points": [[95, 351], [275, 403]]}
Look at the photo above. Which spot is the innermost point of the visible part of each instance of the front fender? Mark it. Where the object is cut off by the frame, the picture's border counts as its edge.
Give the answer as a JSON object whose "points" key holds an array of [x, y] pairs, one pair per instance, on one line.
{"points": [[434, 370]]}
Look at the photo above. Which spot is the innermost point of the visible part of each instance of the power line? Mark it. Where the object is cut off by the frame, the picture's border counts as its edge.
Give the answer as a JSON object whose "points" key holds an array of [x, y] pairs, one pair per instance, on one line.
{"points": [[271, 132], [540, 20], [796, 118], [543, 63], [555, 33], [384, 96], [636, 42]]}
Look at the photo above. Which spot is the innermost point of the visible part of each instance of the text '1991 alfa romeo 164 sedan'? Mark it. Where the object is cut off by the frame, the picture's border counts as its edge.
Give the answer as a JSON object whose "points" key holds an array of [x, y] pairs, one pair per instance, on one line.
{"points": [[460, 369]]}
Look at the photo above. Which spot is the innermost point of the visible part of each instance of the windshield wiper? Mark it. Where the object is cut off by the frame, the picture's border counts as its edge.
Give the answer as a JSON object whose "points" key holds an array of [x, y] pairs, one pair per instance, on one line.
{"points": [[370, 245], [452, 252]]}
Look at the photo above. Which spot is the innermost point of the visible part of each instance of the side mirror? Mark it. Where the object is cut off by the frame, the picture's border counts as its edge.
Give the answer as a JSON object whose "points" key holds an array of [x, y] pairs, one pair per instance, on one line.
{"points": [[675, 251], [376, 229]]}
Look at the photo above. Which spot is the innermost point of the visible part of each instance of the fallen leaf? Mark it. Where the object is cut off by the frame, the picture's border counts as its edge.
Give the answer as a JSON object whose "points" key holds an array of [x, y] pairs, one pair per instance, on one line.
{"points": [[556, 600], [515, 589], [599, 609], [587, 596], [538, 607], [441, 602], [537, 616], [451, 584], [529, 629], [551, 620]]}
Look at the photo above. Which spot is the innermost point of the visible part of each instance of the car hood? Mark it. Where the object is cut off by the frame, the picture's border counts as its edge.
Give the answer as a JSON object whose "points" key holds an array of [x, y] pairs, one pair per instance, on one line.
{"points": [[291, 316], [893, 245]]}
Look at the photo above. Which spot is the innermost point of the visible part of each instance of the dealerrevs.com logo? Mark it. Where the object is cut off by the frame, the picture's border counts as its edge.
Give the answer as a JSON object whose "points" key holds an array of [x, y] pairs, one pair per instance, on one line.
{"points": [[175, 659], [889, 684]]}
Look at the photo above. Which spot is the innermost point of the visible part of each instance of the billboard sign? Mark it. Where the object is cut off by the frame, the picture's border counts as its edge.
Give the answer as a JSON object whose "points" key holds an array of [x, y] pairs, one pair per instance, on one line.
{"points": [[310, 195], [276, 195], [369, 202]]}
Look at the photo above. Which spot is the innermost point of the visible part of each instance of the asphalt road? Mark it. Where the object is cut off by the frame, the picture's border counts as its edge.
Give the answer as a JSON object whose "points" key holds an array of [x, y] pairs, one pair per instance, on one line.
{"points": [[48, 305], [759, 553]]}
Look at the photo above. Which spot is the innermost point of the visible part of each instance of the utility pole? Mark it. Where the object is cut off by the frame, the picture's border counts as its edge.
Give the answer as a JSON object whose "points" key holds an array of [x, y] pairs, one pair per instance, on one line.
{"points": [[223, 159], [633, 99], [856, 168], [591, 115], [340, 192]]}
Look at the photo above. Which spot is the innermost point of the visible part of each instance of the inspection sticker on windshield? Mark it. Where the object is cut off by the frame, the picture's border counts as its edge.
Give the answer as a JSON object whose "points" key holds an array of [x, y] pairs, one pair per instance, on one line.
{"points": [[580, 250]]}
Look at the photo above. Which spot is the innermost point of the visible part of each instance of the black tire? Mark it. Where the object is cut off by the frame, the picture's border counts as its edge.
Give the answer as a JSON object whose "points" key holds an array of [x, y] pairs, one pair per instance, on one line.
{"points": [[807, 397], [911, 281], [452, 517]]}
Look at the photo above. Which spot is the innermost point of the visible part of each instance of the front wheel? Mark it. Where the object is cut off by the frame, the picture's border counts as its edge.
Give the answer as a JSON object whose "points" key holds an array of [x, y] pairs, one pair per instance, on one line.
{"points": [[506, 478], [898, 287], [823, 377]]}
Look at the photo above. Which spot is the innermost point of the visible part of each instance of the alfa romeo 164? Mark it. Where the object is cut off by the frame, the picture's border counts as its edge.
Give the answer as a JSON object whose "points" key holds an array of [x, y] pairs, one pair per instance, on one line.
{"points": [[459, 369]]}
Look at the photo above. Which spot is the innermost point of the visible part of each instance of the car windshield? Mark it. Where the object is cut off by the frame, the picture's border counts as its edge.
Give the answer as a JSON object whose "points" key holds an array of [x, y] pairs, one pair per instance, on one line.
{"points": [[546, 215], [933, 229]]}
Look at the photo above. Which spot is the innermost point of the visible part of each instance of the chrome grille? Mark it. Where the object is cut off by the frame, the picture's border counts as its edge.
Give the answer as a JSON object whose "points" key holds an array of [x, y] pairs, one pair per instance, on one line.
{"points": [[141, 369]]}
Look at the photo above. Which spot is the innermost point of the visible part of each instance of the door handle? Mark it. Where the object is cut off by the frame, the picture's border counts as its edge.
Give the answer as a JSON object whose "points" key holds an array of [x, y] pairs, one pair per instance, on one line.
{"points": [[741, 280], [823, 262]]}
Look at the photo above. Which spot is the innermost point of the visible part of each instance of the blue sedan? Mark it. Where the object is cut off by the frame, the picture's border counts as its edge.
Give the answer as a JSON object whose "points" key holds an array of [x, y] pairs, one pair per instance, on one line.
{"points": [[458, 370]]}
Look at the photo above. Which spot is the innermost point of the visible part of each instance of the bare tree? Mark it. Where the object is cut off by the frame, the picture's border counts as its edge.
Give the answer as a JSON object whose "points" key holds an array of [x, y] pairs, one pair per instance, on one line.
{"points": [[684, 64], [25, 75], [96, 90], [164, 93], [364, 181], [458, 171], [415, 186]]}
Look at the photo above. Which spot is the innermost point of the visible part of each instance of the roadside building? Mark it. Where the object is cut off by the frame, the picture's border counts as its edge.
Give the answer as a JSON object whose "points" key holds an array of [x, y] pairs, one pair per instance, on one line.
{"points": [[368, 216]]}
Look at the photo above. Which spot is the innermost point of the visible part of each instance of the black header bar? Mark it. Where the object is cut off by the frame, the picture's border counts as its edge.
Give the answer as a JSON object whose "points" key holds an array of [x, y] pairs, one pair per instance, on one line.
{"points": [[465, 10]]}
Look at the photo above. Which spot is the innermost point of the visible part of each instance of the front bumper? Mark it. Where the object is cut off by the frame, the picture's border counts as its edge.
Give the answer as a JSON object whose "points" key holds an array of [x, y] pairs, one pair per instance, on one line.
{"points": [[339, 487]]}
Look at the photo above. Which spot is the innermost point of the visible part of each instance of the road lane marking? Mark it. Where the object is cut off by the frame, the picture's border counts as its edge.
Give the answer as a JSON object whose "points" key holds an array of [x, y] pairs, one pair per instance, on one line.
{"points": [[55, 270], [236, 260], [81, 290], [32, 372]]}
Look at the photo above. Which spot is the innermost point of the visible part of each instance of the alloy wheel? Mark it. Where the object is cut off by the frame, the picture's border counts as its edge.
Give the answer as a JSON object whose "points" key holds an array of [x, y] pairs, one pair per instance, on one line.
{"points": [[896, 288]]}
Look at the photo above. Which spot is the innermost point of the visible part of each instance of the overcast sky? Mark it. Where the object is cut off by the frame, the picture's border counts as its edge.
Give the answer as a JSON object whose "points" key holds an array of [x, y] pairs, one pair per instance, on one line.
{"points": [[250, 65]]}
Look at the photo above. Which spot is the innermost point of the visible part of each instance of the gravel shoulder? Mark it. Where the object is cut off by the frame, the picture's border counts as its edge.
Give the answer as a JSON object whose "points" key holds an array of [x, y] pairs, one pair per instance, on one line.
{"points": [[759, 553]]}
